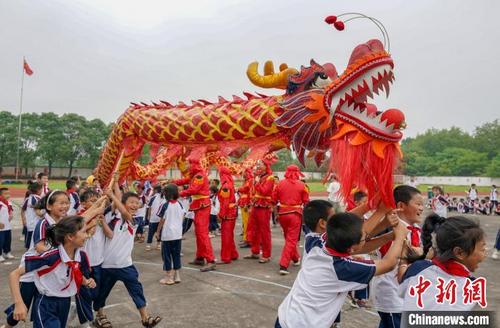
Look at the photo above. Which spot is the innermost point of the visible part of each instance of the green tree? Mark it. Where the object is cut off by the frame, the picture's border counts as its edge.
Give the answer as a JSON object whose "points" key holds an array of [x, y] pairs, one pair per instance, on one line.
{"points": [[50, 137], [493, 169], [487, 137], [8, 139]]}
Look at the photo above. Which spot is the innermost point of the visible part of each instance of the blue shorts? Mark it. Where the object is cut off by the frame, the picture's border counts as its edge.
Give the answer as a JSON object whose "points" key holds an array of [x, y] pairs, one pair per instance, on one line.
{"points": [[130, 278], [50, 312]]}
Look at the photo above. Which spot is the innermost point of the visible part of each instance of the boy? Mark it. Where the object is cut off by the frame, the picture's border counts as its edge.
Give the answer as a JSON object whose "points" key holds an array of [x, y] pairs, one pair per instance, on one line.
{"points": [[328, 273], [360, 296], [315, 215], [43, 179], [387, 301], [5, 226], [117, 263]]}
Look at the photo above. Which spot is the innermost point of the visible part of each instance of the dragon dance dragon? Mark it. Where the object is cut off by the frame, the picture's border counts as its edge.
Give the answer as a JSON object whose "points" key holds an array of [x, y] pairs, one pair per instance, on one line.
{"points": [[320, 113]]}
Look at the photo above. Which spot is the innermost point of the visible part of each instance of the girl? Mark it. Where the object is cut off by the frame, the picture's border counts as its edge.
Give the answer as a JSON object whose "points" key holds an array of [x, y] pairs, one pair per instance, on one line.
{"points": [[170, 233], [117, 264], [459, 248], [28, 213], [439, 203], [60, 274]]}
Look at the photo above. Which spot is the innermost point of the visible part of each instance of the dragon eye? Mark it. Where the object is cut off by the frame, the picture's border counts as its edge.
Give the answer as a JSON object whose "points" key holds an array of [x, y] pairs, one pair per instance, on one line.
{"points": [[323, 76]]}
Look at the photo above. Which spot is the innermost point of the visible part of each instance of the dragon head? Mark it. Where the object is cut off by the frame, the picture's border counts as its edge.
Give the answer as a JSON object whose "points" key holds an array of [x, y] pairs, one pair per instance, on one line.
{"points": [[363, 142], [369, 72]]}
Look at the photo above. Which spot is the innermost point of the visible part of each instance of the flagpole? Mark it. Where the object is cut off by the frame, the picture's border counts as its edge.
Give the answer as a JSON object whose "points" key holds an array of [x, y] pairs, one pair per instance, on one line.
{"points": [[20, 118]]}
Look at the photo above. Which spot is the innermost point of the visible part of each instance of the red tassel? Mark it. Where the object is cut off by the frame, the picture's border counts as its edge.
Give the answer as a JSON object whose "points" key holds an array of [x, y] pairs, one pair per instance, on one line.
{"points": [[331, 19], [339, 25], [359, 167]]}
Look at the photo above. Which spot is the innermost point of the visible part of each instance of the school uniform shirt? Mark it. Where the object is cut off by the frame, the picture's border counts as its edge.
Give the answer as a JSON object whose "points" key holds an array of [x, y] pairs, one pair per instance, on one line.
{"points": [[321, 287], [41, 229], [215, 205], [439, 205], [186, 202], [385, 287], [74, 202], [141, 212], [311, 239], [472, 194], [94, 246], [57, 275], [494, 194], [118, 250], [173, 213], [45, 190], [29, 211], [431, 271], [155, 203], [4, 217]]}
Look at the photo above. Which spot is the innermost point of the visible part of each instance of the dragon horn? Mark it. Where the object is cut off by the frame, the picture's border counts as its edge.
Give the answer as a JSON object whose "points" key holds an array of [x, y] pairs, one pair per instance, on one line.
{"points": [[270, 79]]}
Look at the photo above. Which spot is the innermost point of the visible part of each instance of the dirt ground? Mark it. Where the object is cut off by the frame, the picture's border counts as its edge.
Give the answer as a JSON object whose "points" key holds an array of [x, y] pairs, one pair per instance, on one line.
{"points": [[242, 294]]}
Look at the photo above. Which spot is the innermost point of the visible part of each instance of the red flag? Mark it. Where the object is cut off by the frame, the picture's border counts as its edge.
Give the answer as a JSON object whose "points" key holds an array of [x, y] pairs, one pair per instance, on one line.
{"points": [[27, 68]]}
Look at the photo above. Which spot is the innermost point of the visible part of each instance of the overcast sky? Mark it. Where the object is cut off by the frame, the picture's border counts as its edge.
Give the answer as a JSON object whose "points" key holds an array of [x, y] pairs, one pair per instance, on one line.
{"points": [[93, 57]]}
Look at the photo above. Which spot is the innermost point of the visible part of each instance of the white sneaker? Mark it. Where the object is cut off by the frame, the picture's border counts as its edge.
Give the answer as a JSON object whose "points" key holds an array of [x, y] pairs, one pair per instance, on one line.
{"points": [[296, 263], [2, 259], [10, 256], [495, 254]]}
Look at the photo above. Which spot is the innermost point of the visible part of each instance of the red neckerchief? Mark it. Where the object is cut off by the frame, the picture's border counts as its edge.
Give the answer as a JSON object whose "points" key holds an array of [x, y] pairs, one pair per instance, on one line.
{"points": [[76, 274], [452, 267], [6, 202], [415, 235], [333, 252], [70, 191]]}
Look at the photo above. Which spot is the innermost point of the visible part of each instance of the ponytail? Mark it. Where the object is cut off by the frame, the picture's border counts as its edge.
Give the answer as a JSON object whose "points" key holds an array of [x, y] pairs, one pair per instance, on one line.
{"points": [[431, 225], [55, 234]]}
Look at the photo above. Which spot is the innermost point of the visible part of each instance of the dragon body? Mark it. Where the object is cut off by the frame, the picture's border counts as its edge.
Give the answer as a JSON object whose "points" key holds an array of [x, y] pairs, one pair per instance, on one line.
{"points": [[320, 113]]}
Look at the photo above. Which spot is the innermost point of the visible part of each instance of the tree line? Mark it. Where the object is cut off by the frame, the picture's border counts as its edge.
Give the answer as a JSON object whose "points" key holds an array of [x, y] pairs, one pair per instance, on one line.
{"points": [[51, 140], [454, 152], [71, 140]]}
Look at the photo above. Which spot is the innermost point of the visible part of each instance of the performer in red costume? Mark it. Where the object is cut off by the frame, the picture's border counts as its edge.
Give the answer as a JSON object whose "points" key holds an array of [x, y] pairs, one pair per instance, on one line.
{"points": [[199, 192], [262, 203], [292, 194], [227, 216], [244, 205]]}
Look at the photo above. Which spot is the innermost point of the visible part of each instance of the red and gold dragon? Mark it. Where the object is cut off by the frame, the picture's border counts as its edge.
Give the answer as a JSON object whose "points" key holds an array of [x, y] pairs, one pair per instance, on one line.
{"points": [[320, 113]]}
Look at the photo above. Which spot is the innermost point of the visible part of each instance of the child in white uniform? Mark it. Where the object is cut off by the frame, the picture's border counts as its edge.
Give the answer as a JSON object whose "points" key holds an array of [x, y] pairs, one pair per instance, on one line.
{"points": [[117, 264], [170, 232]]}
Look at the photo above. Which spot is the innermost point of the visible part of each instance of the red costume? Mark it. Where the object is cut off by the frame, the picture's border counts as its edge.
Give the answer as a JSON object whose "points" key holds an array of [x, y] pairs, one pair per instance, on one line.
{"points": [[245, 200], [227, 214], [291, 193], [200, 205], [260, 215]]}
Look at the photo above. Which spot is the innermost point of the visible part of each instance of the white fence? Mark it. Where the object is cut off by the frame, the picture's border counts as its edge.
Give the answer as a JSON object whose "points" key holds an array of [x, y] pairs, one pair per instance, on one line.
{"points": [[454, 181]]}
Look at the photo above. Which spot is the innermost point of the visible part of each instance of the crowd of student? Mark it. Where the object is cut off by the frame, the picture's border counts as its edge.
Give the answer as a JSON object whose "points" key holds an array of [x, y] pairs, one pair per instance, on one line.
{"points": [[442, 203], [79, 244]]}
